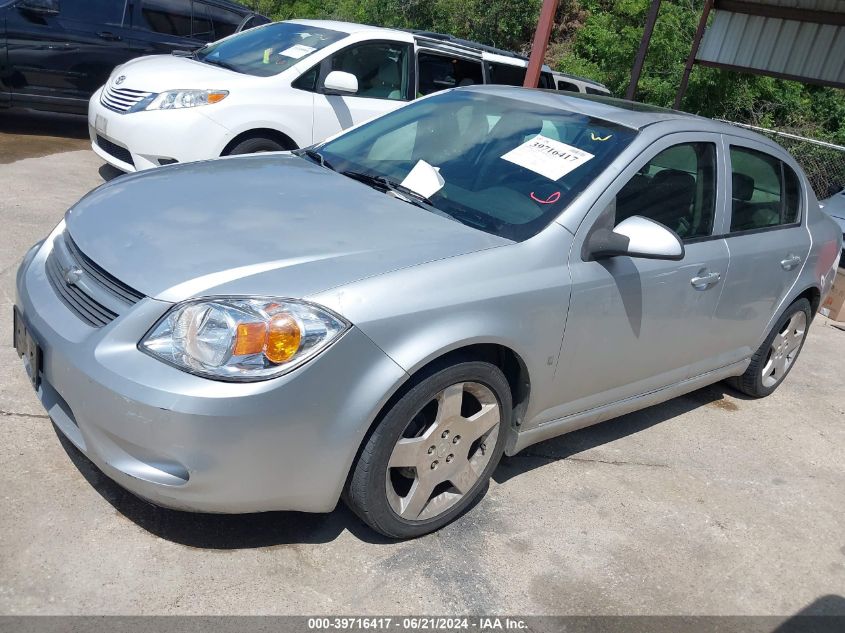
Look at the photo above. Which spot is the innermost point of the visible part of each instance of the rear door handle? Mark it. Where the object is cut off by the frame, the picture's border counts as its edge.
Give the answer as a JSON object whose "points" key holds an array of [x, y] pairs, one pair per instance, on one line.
{"points": [[790, 262], [108, 35], [705, 281]]}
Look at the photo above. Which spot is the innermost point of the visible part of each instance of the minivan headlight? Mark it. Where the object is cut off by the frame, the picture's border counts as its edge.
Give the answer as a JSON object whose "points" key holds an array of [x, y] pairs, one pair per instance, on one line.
{"points": [[240, 339], [176, 99]]}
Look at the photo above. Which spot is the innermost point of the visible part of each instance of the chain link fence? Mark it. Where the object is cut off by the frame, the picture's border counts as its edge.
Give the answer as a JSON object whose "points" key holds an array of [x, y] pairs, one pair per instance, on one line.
{"points": [[824, 163]]}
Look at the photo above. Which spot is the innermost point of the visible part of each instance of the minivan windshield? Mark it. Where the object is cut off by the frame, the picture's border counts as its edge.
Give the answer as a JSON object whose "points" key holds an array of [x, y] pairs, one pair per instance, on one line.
{"points": [[268, 50], [509, 166]]}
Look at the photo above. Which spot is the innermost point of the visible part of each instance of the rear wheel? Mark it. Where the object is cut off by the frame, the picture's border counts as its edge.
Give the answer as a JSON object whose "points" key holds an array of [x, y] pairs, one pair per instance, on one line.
{"points": [[778, 353], [255, 145], [433, 453]]}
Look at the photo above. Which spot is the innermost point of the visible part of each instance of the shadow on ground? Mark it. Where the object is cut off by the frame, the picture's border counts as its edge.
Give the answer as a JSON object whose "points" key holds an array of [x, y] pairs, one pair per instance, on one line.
{"points": [[576, 442], [30, 134], [267, 529]]}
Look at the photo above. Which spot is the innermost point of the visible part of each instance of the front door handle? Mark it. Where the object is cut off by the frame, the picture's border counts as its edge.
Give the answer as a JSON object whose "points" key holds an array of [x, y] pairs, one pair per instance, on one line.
{"points": [[108, 35], [790, 262], [704, 282]]}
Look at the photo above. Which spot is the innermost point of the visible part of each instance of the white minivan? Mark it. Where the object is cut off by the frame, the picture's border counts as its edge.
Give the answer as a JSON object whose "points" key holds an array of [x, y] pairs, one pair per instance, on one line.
{"points": [[280, 86]]}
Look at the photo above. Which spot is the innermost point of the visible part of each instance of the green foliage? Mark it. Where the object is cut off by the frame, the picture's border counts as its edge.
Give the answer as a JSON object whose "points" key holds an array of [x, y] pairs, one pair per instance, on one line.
{"points": [[599, 39]]}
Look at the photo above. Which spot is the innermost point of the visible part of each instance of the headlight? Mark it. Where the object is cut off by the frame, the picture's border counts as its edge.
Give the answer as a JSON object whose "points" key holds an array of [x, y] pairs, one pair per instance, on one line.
{"points": [[239, 339], [174, 99]]}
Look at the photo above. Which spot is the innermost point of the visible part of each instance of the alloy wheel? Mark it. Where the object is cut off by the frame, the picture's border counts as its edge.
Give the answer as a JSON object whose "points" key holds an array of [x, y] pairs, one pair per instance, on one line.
{"points": [[443, 451], [784, 349]]}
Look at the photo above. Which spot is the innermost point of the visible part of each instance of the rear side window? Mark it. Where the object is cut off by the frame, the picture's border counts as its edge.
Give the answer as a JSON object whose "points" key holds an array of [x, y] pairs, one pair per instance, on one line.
{"points": [[440, 72], [170, 17], [765, 191], [506, 74], [676, 188], [567, 86]]}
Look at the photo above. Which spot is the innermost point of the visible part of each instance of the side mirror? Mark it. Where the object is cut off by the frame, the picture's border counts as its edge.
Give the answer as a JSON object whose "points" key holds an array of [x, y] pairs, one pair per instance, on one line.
{"points": [[39, 7], [339, 82], [636, 237]]}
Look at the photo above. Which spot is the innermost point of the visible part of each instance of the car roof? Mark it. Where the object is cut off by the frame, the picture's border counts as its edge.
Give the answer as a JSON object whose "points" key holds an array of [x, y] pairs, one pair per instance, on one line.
{"points": [[631, 114], [345, 27], [428, 39]]}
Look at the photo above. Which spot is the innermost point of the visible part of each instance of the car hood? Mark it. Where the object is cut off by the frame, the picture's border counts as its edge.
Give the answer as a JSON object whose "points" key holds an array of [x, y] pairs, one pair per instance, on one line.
{"points": [[267, 224], [158, 73]]}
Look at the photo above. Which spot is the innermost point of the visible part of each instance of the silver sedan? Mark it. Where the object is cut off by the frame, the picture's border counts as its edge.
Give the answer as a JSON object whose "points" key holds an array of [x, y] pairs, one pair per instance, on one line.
{"points": [[381, 317]]}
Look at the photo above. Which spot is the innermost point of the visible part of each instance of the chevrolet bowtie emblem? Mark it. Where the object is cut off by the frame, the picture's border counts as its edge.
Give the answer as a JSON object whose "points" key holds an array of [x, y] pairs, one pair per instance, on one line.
{"points": [[72, 275]]}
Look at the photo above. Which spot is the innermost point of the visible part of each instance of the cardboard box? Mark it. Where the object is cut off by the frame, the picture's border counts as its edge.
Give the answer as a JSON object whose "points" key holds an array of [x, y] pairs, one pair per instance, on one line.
{"points": [[834, 306]]}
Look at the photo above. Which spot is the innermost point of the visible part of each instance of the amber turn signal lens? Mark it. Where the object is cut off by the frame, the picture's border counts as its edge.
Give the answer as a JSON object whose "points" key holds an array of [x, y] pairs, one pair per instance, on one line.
{"points": [[250, 338], [215, 97], [283, 338]]}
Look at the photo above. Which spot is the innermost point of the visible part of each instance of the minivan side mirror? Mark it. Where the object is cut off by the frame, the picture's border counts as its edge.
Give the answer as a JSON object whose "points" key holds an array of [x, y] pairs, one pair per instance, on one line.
{"points": [[339, 82], [636, 237], [39, 7]]}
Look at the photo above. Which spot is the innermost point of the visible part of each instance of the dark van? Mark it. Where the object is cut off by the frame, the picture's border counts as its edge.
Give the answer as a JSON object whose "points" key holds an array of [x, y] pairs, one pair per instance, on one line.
{"points": [[54, 54]]}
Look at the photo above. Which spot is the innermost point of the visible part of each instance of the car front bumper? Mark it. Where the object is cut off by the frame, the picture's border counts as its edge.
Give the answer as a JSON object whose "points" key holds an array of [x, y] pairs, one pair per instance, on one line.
{"points": [[142, 140], [190, 443]]}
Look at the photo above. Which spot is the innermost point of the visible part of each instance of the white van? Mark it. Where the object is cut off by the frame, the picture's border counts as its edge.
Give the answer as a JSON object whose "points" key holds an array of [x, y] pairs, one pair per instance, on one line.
{"points": [[279, 87], [574, 83]]}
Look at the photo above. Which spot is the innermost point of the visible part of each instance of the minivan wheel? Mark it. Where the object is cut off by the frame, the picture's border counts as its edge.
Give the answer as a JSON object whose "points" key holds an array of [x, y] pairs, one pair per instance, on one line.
{"points": [[255, 145], [778, 353], [433, 452]]}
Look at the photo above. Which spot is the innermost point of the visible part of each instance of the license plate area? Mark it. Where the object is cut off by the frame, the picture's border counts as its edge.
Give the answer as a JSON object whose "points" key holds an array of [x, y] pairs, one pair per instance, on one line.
{"points": [[101, 124], [27, 348]]}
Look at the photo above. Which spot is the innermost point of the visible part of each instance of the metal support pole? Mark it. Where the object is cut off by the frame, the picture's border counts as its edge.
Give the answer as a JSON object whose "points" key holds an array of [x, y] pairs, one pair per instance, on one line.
{"points": [[541, 41], [696, 42], [644, 42]]}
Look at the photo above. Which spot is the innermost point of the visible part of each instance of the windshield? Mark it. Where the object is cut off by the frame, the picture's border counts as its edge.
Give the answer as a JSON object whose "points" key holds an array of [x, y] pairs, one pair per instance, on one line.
{"points": [[507, 166], [268, 50]]}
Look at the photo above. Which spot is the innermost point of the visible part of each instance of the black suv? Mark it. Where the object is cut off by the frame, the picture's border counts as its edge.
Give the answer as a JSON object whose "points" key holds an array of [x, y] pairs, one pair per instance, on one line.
{"points": [[55, 53]]}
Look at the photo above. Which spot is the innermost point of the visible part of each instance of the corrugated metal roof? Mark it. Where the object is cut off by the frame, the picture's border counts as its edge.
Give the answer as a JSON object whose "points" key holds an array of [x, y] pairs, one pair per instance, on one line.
{"points": [[806, 51]]}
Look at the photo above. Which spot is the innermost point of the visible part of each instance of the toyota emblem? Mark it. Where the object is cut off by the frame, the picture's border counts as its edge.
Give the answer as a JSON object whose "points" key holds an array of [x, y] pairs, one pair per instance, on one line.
{"points": [[120, 80]]}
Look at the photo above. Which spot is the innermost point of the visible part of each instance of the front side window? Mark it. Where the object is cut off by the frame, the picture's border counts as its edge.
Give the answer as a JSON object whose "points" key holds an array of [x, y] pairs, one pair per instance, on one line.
{"points": [[765, 191], [268, 50], [100, 11], [212, 23], [676, 188], [381, 69], [510, 167], [170, 17], [441, 72]]}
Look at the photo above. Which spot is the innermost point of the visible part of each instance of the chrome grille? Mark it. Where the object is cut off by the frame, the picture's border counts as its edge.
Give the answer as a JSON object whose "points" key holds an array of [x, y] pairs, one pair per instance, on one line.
{"points": [[89, 291], [122, 99]]}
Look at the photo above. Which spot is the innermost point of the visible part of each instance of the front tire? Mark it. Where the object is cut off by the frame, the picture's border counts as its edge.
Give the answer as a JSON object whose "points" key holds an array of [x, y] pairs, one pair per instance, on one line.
{"points": [[778, 353], [433, 453], [255, 145]]}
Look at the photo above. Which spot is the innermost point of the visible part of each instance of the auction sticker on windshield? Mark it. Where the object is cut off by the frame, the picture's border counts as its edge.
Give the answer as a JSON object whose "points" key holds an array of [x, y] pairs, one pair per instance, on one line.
{"points": [[297, 50], [547, 157]]}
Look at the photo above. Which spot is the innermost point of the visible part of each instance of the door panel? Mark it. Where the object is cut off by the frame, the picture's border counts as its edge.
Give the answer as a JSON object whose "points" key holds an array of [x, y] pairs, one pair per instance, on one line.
{"points": [[64, 58], [766, 258], [637, 325]]}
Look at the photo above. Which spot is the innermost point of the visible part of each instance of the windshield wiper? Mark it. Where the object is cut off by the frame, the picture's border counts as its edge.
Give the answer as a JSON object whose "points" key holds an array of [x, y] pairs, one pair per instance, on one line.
{"points": [[475, 220], [389, 185], [316, 156]]}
